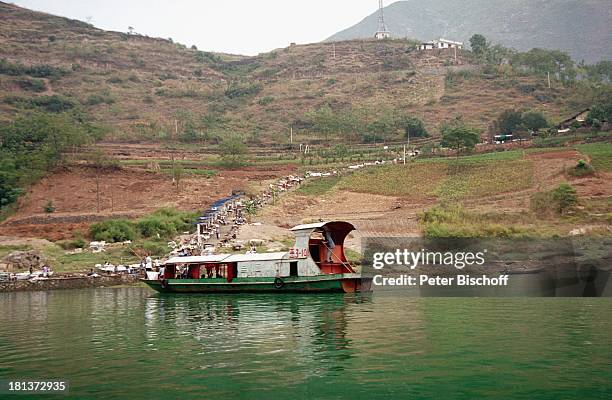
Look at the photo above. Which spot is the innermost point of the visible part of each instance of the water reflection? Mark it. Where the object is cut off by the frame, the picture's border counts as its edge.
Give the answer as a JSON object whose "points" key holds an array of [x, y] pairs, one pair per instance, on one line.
{"points": [[115, 342], [248, 329]]}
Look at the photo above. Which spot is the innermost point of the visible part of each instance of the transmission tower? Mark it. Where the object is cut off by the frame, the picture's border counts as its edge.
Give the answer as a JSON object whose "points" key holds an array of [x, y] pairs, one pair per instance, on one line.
{"points": [[382, 32]]}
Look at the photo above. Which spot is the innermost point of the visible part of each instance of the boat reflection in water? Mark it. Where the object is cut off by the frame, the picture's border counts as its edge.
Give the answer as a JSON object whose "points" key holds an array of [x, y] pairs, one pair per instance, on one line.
{"points": [[245, 329]]}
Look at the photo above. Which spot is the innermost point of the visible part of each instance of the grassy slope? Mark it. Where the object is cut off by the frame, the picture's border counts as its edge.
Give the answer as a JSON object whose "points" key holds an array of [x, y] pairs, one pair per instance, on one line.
{"points": [[447, 179], [599, 153], [145, 82]]}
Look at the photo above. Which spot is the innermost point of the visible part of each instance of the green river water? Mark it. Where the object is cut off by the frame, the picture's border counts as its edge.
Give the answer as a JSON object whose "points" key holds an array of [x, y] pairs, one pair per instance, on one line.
{"points": [[133, 343]]}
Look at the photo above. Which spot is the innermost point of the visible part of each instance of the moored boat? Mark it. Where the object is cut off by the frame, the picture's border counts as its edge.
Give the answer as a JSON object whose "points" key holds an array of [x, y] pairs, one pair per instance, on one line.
{"points": [[316, 263]]}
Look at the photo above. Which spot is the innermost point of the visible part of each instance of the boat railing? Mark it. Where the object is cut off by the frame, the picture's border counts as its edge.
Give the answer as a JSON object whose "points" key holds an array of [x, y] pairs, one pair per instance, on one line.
{"points": [[345, 264]]}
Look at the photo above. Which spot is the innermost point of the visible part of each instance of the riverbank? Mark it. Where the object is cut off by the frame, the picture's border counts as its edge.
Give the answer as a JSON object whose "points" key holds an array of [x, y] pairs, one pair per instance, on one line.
{"points": [[68, 282]]}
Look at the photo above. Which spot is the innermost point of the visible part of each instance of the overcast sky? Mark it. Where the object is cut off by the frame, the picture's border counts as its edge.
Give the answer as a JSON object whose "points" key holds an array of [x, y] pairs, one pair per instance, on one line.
{"points": [[232, 26]]}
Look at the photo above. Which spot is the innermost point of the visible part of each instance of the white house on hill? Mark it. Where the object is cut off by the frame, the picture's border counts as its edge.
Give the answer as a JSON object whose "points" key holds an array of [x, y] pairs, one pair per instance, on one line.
{"points": [[441, 44], [380, 35]]}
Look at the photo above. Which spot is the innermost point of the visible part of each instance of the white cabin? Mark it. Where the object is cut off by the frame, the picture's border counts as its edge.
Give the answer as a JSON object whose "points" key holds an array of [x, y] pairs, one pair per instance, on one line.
{"points": [[441, 44]]}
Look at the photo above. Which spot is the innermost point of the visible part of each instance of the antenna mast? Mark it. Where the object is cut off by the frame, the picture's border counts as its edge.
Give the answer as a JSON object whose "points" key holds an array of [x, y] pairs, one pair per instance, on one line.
{"points": [[382, 32], [381, 17]]}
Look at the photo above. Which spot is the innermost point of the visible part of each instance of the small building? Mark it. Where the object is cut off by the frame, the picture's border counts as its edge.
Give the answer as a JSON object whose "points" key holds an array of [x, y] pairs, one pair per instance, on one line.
{"points": [[380, 35], [577, 119], [441, 44]]}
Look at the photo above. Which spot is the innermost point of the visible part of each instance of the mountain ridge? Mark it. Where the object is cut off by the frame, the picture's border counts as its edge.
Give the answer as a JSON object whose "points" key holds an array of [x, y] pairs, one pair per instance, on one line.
{"points": [[581, 28], [147, 89]]}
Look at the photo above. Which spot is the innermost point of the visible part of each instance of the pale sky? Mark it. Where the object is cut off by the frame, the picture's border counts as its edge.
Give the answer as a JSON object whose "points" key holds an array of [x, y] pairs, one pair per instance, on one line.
{"points": [[244, 27]]}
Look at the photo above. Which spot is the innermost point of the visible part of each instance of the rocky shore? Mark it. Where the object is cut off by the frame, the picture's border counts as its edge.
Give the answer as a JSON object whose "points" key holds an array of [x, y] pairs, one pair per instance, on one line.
{"points": [[67, 282]]}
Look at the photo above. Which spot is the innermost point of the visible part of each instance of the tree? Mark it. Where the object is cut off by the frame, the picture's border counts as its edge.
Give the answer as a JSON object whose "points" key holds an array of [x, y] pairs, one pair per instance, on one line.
{"points": [[324, 120], [177, 175], [413, 127], [564, 197], [479, 44], [600, 112], [459, 137], [232, 150], [9, 179], [509, 121], [554, 62], [99, 162], [497, 54], [600, 72], [534, 121], [33, 144]]}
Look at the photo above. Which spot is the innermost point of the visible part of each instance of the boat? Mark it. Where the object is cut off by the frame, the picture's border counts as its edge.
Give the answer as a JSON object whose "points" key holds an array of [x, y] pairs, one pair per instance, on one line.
{"points": [[316, 263]]}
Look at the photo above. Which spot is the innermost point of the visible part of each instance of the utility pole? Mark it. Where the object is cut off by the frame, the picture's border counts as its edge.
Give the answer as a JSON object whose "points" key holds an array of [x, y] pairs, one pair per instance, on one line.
{"points": [[98, 191], [548, 74], [334, 50], [291, 135], [404, 154]]}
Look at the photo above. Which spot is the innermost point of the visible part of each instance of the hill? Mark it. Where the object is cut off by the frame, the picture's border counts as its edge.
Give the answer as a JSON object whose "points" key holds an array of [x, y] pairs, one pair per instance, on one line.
{"points": [[581, 28], [166, 107], [150, 90]]}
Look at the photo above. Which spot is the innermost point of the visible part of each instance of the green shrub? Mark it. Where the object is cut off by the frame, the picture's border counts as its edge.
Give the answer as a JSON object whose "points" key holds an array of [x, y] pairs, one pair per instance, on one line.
{"points": [[265, 101], [555, 202], [77, 243], [204, 56], [238, 91], [583, 168], [565, 197], [32, 85], [165, 223], [115, 80], [152, 226], [454, 221], [37, 71], [114, 230], [49, 207], [151, 248], [95, 99], [54, 103]]}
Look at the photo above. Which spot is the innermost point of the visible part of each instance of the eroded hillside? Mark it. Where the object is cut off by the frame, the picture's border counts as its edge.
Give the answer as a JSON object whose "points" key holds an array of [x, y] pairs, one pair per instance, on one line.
{"points": [[148, 89]]}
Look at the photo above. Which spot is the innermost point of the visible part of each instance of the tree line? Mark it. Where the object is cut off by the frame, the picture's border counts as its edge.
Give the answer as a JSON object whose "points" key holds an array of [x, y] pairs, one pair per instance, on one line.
{"points": [[362, 124], [34, 143]]}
